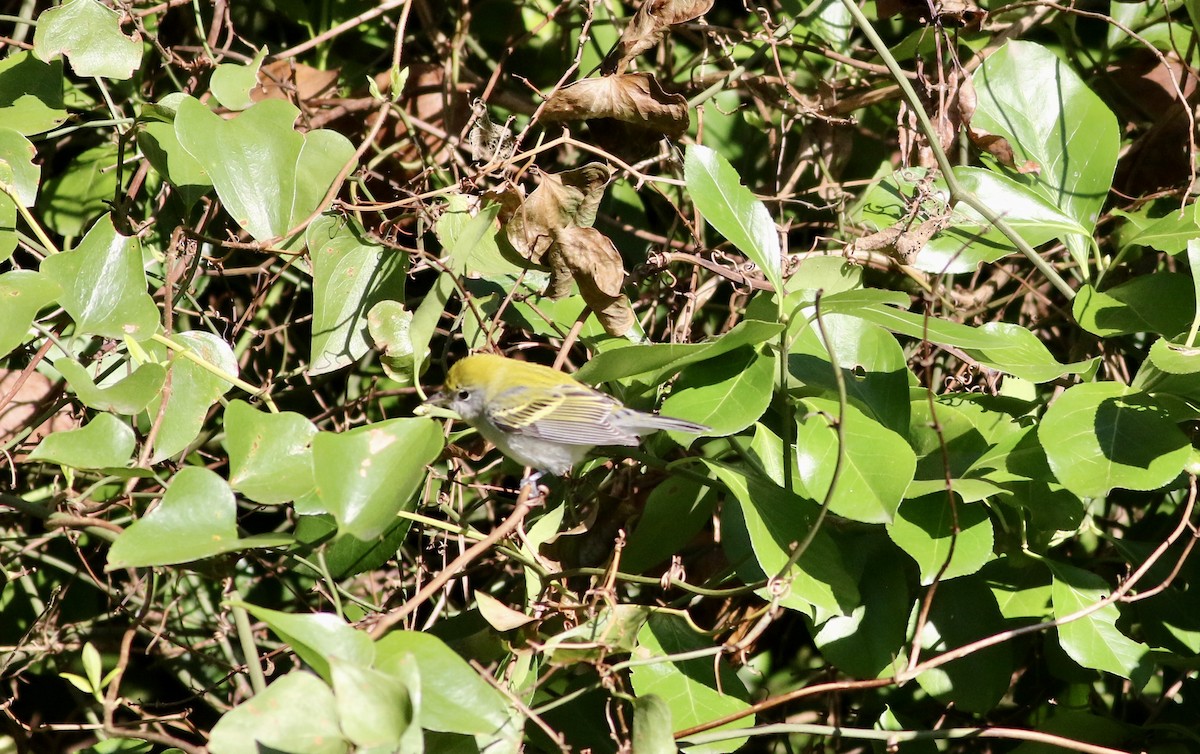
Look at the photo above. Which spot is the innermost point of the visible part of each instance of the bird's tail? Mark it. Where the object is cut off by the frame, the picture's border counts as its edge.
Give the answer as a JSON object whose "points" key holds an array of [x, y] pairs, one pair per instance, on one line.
{"points": [[643, 423]]}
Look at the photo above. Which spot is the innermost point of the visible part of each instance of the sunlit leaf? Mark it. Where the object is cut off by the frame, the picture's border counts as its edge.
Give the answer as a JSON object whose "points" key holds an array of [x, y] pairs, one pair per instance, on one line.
{"points": [[1103, 435], [736, 213], [269, 176], [104, 284], [367, 475], [104, 442], [89, 35], [270, 455], [297, 712], [23, 293], [350, 275]]}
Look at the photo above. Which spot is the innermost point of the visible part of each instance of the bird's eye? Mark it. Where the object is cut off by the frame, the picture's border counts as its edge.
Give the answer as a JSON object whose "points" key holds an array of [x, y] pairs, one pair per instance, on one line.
{"points": [[464, 394]]}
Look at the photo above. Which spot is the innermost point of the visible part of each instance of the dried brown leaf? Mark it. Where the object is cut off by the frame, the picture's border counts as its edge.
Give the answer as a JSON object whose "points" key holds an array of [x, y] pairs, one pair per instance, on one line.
{"points": [[590, 257], [635, 98], [562, 200], [962, 13], [286, 79], [647, 28], [36, 394]]}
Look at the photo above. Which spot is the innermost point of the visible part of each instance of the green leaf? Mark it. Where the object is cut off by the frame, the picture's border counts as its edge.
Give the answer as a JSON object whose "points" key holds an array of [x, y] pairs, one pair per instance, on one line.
{"points": [[268, 175], [319, 639], [426, 318], [877, 464], [946, 441], [196, 519], [676, 510], [469, 240], [231, 82], [169, 159], [1103, 435], [367, 475], [777, 522], [872, 363], [727, 394], [1169, 233], [104, 442], [297, 713], [347, 556], [350, 275], [1161, 303], [696, 691], [373, 707], [716, 189], [18, 172], [31, 93], [1094, 640], [390, 326], [89, 34], [85, 189], [1067, 130], [127, 396], [1002, 346], [665, 359], [610, 630], [23, 293], [867, 641], [104, 284], [8, 227], [963, 611], [270, 455], [193, 391], [925, 529], [652, 726], [454, 699]]}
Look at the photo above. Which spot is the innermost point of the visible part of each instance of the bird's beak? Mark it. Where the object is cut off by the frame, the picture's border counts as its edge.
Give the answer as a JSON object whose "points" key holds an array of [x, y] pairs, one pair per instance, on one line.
{"points": [[436, 406]]}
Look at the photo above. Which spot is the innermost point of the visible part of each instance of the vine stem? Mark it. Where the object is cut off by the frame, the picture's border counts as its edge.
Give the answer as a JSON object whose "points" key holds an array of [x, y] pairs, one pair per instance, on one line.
{"points": [[525, 503], [215, 370], [893, 737], [957, 192]]}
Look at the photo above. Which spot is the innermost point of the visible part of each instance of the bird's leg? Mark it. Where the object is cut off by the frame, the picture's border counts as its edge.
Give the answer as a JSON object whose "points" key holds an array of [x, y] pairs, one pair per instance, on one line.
{"points": [[530, 488]]}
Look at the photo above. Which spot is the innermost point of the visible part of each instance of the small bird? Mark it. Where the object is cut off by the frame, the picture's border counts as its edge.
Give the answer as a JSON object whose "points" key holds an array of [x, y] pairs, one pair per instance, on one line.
{"points": [[540, 416]]}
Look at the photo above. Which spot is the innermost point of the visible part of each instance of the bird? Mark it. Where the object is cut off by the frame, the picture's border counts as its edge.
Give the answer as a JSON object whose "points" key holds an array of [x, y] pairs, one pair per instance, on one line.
{"points": [[541, 417]]}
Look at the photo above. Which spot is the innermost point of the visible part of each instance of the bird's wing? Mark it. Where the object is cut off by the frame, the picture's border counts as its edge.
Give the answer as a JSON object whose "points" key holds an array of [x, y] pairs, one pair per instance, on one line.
{"points": [[570, 414]]}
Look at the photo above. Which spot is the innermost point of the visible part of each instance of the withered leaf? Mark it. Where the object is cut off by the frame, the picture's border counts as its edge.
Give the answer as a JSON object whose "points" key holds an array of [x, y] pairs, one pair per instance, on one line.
{"points": [[590, 258], [635, 98], [570, 198], [287, 79], [963, 13], [904, 240], [647, 27]]}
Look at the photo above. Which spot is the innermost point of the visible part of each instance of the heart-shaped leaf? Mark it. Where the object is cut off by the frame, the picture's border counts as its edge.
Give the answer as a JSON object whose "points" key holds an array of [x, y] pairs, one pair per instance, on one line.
{"points": [[104, 442], [104, 284], [89, 34], [268, 175], [196, 519], [367, 475]]}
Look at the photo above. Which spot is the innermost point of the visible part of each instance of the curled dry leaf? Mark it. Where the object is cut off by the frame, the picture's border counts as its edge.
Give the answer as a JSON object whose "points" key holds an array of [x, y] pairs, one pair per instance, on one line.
{"points": [[562, 199], [904, 240], [552, 228], [647, 27], [590, 258], [634, 98]]}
